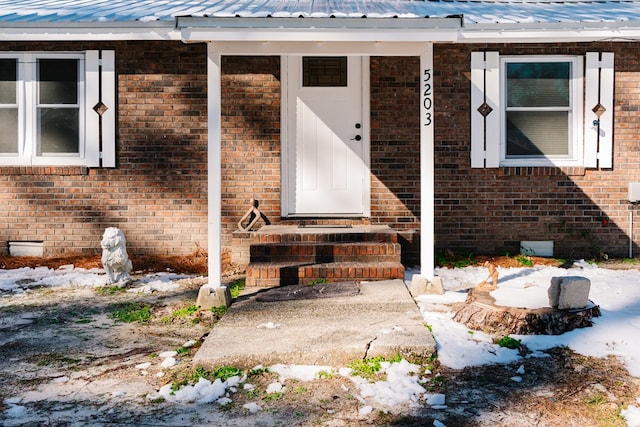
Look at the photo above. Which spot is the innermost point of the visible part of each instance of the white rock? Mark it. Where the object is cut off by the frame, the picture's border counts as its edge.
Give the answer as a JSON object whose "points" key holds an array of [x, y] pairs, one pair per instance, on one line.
{"points": [[168, 362]]}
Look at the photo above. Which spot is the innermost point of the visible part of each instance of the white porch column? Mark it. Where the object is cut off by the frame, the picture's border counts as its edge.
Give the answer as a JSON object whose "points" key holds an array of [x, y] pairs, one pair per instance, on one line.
{"points": [[213, 294], [214, 166], [427, 172]]}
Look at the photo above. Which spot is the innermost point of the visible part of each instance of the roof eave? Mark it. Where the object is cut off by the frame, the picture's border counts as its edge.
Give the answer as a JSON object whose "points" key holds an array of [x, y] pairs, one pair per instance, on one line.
{"points": [[88, 31], [319, 29], [546, 32]]}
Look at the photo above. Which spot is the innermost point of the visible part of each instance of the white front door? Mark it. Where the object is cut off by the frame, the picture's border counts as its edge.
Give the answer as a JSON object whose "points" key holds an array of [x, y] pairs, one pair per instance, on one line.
{"points": [[326, 143]]}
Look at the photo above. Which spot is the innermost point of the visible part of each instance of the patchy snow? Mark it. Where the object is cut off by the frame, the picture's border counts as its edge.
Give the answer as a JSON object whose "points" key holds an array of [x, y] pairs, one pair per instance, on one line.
{"points": [[615, 291], [614, 333]]}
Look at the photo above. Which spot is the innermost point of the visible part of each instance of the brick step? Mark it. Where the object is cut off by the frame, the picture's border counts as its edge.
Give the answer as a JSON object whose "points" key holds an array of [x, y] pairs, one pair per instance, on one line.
{"points": [[288, 273], [289, 234], [314, 252]]}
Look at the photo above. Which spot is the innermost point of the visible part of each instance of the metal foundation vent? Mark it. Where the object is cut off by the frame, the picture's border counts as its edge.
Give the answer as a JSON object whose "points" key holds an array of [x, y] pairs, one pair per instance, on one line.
{"points": [[26, 248]]}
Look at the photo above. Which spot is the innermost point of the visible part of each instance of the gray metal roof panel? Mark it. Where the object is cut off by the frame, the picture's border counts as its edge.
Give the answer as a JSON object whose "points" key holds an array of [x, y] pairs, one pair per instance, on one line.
{"points": [[62, 12]]}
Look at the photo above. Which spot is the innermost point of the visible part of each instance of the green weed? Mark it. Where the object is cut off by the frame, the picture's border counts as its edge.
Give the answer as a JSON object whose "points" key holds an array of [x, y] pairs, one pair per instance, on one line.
{"points": [[110, 290], [508, 342], [236, 287], [219, 311], [185, 312], [524, 260], [370, 367], [132, 312]]}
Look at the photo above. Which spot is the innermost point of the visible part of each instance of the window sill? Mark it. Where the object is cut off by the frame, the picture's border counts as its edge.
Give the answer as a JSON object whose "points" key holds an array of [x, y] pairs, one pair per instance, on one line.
{"points": [[504, 172]]}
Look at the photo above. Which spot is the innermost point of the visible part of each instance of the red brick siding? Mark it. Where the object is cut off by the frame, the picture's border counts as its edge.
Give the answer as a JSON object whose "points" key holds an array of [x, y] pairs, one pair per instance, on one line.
{"points": [[157, 193], [492, 210], [395, 154], [250, 142]]}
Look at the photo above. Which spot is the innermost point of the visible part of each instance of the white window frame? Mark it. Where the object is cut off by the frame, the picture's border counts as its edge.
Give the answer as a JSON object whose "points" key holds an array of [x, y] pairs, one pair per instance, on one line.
{"points": [[96, 86], [576, 113]]}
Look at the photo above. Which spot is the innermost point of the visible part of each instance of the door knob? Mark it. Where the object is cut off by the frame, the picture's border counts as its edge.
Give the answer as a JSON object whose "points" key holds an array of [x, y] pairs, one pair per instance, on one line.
{"points": [[357, 138]]}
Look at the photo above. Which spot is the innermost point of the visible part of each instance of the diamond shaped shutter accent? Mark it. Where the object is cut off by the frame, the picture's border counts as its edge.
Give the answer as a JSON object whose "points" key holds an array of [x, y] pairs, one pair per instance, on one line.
{"points": [[100, 108], [598, 120], [485, 109]]}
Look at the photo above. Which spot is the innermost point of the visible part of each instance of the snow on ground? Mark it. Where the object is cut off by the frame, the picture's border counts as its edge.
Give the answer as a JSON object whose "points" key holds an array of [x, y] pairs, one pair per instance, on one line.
{"points": [[617, 292]]}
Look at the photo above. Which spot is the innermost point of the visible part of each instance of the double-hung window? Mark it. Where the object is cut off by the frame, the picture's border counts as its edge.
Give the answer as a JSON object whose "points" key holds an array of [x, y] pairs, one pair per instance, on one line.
{"points": [[51, 108], [540, 119], [536, 110]]}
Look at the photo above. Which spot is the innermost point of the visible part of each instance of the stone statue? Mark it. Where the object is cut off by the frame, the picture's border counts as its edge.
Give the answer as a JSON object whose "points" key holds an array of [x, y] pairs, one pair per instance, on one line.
{"points": [[115, 260], [493, 275]]}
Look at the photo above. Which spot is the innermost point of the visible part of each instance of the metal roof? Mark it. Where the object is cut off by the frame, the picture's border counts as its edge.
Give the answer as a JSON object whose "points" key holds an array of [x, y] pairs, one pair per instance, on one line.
{"points": [[141, 12]]}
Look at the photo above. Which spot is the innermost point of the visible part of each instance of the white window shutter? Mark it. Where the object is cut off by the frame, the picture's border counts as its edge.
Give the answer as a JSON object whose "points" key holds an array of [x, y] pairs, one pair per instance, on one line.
{"points": [[100, 108], [92, 97], [108, 91], [598, 132], [485, 109]]}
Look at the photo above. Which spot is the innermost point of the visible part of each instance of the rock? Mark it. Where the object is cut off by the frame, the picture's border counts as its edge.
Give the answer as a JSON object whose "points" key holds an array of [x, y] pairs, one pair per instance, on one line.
{"points": [[569, 292]]}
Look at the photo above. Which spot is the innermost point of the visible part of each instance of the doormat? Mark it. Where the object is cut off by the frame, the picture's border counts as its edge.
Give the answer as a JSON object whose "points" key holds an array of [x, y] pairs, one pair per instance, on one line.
{"points": [[300, 292], [324, 226]]}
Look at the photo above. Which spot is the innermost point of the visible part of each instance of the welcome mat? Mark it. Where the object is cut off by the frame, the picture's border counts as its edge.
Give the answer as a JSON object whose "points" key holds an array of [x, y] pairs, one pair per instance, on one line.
{"points": [[300, 292]]}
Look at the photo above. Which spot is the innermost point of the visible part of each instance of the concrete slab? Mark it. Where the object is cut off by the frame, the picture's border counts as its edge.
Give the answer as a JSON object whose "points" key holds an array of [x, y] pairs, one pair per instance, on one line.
{"points": [[382, 320]]}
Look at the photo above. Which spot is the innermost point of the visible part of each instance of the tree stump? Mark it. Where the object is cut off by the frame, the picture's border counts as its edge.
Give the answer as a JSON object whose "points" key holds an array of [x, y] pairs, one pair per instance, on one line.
{"points": [[480, 313]]}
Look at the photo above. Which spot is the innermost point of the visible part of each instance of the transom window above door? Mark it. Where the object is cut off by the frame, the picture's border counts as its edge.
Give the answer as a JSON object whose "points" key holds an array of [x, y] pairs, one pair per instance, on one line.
{"points": [[321, 71]]}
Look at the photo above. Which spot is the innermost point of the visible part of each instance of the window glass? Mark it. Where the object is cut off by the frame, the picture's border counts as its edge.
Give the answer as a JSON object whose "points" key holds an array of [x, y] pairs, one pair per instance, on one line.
{"points": [[9, 134], [540, 133], [58, 81], [8, 78], [8, 106], [538, 84], [59, 131], [318, 71], [58, 113], [538, 109]]}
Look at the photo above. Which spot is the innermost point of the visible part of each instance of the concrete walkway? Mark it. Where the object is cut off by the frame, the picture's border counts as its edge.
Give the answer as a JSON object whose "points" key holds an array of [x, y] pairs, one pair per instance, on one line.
{"points": [[381, 320]]}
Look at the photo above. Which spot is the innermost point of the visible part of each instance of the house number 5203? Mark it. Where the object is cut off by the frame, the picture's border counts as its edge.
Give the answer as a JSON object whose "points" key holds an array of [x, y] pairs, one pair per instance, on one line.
{"points": [[427, 96]]}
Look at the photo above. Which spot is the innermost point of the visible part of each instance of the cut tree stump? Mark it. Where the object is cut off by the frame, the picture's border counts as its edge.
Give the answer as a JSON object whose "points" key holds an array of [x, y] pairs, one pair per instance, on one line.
{"points": [[479, 312]]}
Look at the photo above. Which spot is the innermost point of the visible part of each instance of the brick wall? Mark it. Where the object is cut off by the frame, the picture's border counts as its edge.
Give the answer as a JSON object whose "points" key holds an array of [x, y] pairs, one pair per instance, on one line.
{"points": [[157, 193], [492, 210], [250, 144], [395, 154]]}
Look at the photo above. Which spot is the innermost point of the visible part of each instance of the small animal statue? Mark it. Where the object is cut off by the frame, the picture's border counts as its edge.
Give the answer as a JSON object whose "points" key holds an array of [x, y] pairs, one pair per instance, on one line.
{"points": [[115, 260], [493, 275]]}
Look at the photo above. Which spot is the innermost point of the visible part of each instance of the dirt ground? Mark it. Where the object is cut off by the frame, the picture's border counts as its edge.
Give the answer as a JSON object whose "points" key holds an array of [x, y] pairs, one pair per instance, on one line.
{"points": [[69, 361]]}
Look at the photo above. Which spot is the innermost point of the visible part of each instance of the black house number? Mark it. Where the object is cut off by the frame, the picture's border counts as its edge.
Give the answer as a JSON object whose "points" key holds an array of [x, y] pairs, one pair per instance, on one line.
{"points": [[427, 94]]}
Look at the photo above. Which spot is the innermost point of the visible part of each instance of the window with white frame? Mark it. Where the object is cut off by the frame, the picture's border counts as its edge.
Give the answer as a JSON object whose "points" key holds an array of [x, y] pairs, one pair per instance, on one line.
{"points": [[536, 110], [52, 108], [539, 118]]}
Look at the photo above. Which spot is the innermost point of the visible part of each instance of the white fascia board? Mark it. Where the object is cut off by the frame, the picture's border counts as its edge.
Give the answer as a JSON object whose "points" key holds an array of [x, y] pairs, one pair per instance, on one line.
{"points": [[89, 31], [549, 32], [245, 24], [315, 35], [319, 29], [320, 48]]}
